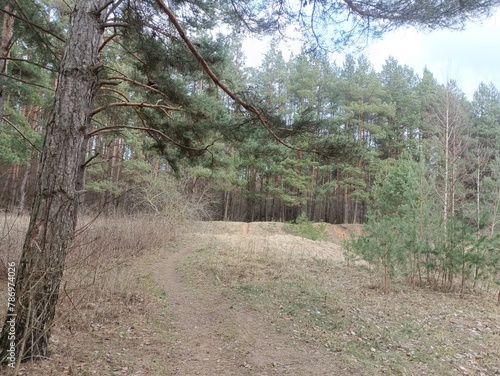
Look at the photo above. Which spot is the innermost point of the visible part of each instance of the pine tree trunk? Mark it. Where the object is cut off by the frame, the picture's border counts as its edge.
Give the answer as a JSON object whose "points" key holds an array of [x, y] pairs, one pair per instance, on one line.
{"points": [[15, 176], [54, 213], [227, 195], [5, 176], [346, 205]]}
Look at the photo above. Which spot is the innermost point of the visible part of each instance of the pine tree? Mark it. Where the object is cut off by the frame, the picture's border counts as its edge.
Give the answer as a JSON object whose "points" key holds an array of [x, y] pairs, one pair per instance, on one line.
{"points": [[403, 124], [54, 211]]}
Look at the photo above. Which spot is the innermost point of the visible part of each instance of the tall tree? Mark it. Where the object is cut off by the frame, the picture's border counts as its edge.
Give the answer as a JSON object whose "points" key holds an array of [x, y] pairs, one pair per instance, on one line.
{"points": [[449, 121], [401, 130], [485, 150], [54, 212], [363, 111], [5, 46]]}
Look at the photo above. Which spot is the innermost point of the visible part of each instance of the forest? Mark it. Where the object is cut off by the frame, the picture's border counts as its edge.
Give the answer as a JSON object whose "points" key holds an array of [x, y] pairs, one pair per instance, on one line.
{"points": [[178, 119], [340, 129]]}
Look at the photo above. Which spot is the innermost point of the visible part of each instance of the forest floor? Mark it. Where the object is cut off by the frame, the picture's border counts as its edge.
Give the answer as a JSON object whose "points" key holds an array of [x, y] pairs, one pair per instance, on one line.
{"points": [[252, 299]]}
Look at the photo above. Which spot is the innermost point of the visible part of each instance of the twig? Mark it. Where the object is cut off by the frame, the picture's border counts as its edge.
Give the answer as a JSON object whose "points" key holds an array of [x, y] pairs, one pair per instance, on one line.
{"points": [[21, 133]]}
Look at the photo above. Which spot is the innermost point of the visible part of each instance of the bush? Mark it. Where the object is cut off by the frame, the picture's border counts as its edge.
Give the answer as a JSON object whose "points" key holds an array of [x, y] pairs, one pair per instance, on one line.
{"points": [[305, 228], [165, 197], [405, 236]]}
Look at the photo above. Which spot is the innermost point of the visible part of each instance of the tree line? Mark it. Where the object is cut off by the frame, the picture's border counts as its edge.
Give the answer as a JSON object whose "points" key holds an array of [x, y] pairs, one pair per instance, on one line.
{"points": [[340, 123]]}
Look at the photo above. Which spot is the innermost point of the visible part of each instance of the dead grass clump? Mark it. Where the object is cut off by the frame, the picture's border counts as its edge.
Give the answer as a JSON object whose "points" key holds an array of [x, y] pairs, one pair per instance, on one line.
{"points": [[99, 280], [100, 290]]}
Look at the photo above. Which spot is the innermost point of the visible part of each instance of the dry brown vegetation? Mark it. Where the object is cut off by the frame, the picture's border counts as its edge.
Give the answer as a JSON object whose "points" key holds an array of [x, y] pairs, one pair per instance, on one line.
{"points": [[114, 316], [107, 307]]}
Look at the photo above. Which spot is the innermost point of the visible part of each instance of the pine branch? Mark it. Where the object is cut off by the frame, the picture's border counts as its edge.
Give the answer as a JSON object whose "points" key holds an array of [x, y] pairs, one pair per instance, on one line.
{"points": [[165, 109], [148, 130], [248, 107]]}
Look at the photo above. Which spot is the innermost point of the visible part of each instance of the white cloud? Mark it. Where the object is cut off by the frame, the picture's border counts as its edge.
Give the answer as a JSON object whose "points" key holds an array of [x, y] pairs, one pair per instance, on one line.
{"points": [[469, 57], [254, 50]]}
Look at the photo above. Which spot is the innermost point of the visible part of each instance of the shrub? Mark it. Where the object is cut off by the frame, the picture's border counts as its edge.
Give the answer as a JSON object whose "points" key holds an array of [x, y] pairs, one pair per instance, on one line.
{"points": [[305, 228]]}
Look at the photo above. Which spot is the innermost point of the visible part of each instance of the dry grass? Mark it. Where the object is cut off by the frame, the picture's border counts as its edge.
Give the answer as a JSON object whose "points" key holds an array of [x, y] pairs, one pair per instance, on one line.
{"points": [[101, 296], [336, 308], [100, 267], [99, 261], [12, 231], [112, 319]]}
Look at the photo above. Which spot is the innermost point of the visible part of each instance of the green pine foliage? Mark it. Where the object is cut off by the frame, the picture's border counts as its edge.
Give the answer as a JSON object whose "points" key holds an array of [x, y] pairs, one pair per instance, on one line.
{"points": [[404, 236]]}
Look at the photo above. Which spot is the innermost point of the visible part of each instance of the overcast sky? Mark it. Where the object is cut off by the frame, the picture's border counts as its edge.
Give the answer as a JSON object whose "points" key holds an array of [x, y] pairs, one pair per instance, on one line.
{"points": [[469, 57]]}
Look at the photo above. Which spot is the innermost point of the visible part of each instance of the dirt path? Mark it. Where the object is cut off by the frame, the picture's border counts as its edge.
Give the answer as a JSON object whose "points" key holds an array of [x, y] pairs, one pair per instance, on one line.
{"points": [[215, 337]]}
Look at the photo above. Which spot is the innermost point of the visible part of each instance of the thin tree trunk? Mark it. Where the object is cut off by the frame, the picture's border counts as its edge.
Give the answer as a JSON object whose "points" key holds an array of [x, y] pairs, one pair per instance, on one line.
{"points": [[227, 195], [5, 46], [54, 213], [346, 205], [22, 189], [478, 195], [446, 168], [15, 175], [5, 187]]}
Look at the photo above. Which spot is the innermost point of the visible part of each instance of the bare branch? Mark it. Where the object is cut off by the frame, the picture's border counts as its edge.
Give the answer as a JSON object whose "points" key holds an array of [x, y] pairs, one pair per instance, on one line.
{"points": [[112, 9], [116, 92], [115, 24], [26, 82], [123, 77], [107, 40], [29, 62], [90, 159], [161, 107], [99, 10], [146, 129], [108, 82], [129, 52], [31, 23], [22, 134], [354, 8]]}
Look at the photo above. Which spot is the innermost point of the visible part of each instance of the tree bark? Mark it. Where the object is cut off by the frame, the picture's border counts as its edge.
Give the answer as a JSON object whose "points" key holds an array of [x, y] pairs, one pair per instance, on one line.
{"points": [[54, 212], [5, 46], [22, 189]]}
